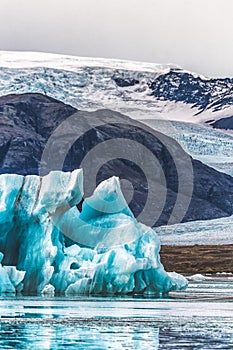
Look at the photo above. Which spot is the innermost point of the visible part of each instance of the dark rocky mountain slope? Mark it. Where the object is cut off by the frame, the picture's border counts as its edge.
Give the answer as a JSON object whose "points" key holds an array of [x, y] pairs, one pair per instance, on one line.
{"points": [[223, 123], [27, 121], [203, 93]]}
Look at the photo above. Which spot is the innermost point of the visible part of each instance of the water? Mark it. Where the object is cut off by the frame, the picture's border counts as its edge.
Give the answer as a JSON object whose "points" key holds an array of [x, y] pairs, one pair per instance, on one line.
{"points": [[199, 318]]}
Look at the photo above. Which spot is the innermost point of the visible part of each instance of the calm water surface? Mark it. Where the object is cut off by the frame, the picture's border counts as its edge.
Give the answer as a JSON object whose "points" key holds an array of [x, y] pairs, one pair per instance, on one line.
{"points": [[199, 318]]}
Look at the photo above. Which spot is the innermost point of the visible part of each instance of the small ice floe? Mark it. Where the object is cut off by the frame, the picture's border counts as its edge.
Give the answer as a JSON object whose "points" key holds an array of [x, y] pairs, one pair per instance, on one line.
{"points": [[197, 278], [48, 290]]}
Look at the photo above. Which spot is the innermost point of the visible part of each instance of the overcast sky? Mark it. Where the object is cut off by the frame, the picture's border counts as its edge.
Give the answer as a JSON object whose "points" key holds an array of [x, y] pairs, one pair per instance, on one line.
{"points": [[195, 34]]}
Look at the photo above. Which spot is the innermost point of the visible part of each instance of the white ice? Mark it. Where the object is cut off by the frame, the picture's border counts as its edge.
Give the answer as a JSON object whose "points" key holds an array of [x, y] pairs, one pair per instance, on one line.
{"points": [[88, 84]]}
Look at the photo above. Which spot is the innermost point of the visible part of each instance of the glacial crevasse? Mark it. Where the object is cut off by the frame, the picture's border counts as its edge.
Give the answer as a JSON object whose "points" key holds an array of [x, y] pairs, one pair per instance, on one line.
{"points": [[109, 252]]}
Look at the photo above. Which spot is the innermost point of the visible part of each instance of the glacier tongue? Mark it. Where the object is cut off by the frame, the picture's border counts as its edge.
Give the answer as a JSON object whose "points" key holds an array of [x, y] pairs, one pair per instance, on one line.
{"points": [[111, 253]]}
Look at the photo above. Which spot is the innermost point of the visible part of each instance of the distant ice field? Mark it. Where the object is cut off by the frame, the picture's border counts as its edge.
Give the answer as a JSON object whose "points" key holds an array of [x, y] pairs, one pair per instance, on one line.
{"points": [[217, 231], [210, 146]]}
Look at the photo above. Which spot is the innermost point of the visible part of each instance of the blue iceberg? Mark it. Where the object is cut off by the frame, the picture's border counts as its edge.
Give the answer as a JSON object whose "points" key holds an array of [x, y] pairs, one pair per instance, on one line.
{"points": [[50, 246]]}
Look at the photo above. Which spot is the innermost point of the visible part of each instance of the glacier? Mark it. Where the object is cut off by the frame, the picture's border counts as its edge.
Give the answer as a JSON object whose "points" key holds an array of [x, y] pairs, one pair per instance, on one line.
{"points": [[210, 146], [158, 91], [51, 241]]}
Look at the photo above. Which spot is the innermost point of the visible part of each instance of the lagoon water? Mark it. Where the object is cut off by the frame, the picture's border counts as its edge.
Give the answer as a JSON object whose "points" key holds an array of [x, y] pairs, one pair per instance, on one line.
{"points": [[199, 318]]}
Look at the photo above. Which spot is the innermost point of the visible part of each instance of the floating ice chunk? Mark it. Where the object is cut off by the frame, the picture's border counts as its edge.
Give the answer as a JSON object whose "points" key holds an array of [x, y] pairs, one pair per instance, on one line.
{"points": [[197, 278], [48, 290], [111, 252]]}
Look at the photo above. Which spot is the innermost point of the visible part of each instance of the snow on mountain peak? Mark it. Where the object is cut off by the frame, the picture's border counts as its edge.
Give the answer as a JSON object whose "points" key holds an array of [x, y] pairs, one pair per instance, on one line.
{"points": [[16, 59], [141, 90]]}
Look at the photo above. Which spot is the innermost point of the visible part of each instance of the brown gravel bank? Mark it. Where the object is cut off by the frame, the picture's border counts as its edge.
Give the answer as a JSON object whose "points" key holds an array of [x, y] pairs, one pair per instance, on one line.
{"points": [[198, 258]]}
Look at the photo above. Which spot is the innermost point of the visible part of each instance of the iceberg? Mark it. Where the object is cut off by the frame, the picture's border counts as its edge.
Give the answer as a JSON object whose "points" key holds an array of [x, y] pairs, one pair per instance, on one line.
{"points": [[53, 241]]}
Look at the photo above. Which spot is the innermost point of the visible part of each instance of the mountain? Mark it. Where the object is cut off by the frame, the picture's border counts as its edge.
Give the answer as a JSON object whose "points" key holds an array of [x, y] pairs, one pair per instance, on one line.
{"points": [[200, 92], [27, 122], [223, 123], [134, 88]]}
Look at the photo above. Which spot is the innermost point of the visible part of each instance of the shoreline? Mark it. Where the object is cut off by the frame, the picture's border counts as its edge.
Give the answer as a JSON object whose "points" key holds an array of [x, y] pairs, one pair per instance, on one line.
{"points": [[197, 258]]}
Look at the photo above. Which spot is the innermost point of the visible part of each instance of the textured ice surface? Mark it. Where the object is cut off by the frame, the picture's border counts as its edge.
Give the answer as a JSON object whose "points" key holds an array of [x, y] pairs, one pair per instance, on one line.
{"points": [[211, 147], [28, 207], [216, 231], [125, 86], [111, 253]]}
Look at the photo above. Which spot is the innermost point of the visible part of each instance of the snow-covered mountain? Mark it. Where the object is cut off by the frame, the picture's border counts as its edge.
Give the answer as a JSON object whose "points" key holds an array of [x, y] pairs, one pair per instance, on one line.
{"points": [[141, 90]]}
